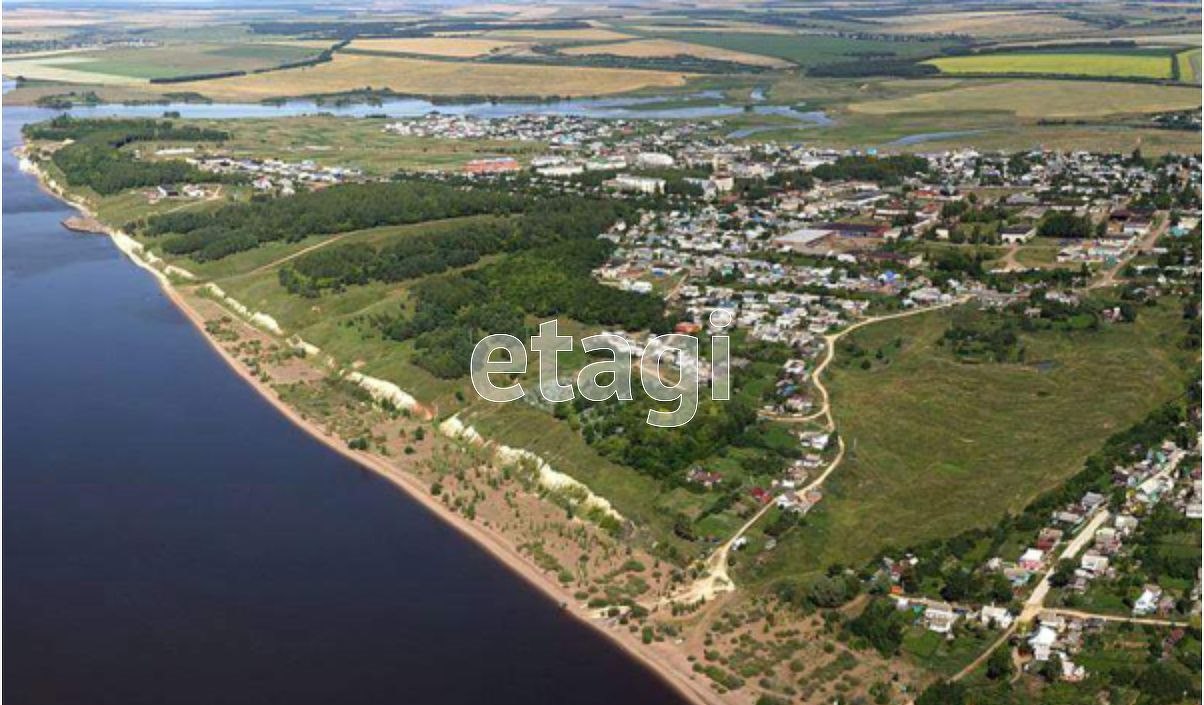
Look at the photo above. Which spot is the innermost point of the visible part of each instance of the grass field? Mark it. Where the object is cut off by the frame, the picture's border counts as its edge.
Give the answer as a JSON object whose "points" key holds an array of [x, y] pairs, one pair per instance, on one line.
{"points": [[807, 49], [1139, 64], [133, 65], [936, 446], [351, 72], [333, 141], [458, 47], [991, 24], [1033, 98], [644, 48], [711, 26], [593, 34], [1189, 65]]}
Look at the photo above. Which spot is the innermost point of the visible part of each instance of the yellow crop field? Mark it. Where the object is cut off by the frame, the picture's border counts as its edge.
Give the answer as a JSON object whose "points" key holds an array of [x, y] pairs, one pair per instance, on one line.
{"points": [[644, 48], [349, 72], [1037, 99], [459, 47], [1125, 65]]}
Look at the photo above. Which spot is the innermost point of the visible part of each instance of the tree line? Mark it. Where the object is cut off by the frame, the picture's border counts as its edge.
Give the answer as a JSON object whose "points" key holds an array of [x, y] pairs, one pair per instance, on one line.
{"points": [[452, 311], [215, 234], [95, 158], [883, 170], [545, 221]]}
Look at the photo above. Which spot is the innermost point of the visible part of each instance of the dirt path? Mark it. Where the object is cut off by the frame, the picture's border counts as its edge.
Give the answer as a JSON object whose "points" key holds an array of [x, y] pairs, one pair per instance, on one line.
{"points": [[1118, 618], [715, 578], [1010, 263], [299, 253], [830, 341], [982, 658], [1109, 276]]}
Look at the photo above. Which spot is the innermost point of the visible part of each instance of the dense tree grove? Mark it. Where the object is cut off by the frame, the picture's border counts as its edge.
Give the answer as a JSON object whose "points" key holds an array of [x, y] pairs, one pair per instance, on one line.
{"points": [[978, 338], [215, 234], [618, 431], [545, 222], [95, 158], [881, 625], [1062, 224], [453, 311], [884, 170]]}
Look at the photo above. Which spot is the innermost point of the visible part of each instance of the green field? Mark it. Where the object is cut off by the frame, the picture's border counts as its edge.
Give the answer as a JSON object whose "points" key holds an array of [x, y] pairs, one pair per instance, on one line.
{"points": [[936, 446], [1151, 64], [140, 64], [1189, 65], [331, 141], [806, 49]]}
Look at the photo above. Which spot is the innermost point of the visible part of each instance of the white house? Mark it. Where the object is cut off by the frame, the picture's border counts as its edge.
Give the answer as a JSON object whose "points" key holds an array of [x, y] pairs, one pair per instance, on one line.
{"points": [[997, 615], [1042, 642], [1032, 559]]}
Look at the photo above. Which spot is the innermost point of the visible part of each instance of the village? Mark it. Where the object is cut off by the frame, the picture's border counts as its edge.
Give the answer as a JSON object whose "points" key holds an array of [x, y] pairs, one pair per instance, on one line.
{"points": [[792, 246]]}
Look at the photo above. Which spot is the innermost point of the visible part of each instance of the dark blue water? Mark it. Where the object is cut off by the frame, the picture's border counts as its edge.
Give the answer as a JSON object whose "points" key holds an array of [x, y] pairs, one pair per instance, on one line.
{"points": [[169, 538]]}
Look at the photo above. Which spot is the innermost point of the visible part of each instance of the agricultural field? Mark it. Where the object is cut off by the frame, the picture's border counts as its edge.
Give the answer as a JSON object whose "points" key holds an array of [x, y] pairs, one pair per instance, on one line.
{"points": [[709, 26], [645, 48], [1188, 63], [593, 34], [809, 49], [422, 77], [457, 47], [1152, 64], [135, 65], [1031, 98], [968, 442], [986, 24]]}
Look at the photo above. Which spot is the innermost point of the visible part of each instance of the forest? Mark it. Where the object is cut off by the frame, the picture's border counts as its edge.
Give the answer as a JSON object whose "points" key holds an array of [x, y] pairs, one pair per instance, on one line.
{"points": [[545, 221], [94, 159], [888, 171], [452, 311], [215, 234]]}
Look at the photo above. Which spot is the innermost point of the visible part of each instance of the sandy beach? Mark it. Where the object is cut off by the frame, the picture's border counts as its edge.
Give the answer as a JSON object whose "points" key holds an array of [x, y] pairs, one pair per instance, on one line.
{"points": [[670, 666]]}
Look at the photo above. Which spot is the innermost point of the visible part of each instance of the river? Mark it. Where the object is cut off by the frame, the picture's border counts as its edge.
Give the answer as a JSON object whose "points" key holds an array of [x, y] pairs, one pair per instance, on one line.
{"points": [[171, 539]]}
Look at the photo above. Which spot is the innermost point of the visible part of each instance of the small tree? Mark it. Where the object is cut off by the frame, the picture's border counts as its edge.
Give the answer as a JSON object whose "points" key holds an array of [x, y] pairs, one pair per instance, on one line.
{"points": [[999, 664]]}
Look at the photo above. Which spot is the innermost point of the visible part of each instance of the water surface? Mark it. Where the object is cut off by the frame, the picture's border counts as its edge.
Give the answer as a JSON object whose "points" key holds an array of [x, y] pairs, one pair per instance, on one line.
{"points": [[169, 538]]}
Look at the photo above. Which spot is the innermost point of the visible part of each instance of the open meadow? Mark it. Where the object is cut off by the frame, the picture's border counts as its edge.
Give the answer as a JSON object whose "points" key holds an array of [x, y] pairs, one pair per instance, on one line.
{"points": [[936, 446], [360, 143]]}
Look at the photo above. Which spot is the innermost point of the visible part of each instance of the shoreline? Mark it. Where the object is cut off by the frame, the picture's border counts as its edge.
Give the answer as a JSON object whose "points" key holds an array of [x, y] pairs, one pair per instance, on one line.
{"points": [[496, 545]]}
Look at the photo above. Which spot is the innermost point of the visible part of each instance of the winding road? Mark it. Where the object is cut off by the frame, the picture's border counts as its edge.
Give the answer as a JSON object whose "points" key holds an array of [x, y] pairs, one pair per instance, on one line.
{"points": [[715, 579]]}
